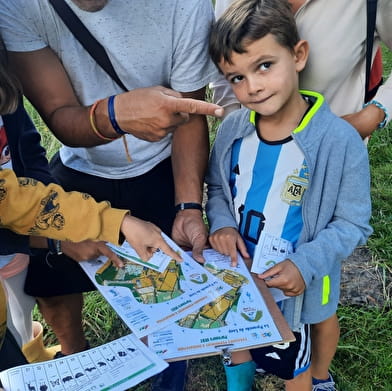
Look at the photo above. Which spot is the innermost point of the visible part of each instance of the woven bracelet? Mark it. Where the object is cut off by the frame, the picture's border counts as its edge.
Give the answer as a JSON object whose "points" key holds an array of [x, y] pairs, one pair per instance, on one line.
{"points": [[112, 116]]}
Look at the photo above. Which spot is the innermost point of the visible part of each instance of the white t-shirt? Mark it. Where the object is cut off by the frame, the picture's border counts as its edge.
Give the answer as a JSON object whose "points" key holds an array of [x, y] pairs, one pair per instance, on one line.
{"points": [[149, 43]]}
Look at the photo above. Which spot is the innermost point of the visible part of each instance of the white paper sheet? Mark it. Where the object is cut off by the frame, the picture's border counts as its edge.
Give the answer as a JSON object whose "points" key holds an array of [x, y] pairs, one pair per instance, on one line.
{"points": [[147, 300], [269, 251], [114, 366], [237, 320], [159, 261]]}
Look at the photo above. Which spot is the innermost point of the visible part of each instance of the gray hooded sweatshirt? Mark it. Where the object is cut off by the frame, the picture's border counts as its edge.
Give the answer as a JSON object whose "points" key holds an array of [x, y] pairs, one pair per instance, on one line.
{"points": [[336, 206]]}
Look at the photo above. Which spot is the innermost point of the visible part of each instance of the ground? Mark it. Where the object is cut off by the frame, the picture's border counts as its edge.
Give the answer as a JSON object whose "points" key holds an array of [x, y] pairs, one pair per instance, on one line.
{"points": [[364, 282]]}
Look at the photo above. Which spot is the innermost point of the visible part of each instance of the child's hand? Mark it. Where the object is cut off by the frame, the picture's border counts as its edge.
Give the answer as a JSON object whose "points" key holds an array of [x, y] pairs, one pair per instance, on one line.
{"points": [[285, 276], [89, 249], [145, 238], [227, 240]]}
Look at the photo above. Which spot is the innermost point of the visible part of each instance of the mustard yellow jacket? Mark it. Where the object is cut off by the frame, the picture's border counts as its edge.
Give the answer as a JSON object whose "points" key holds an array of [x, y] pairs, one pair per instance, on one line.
{"points": [[29, 207]]}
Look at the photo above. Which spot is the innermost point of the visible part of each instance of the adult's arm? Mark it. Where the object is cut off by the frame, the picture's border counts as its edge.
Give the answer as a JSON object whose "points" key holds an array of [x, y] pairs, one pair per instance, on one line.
{"points": [[367, 119], [219, 206], [147, 113], [24, 141], [190, 150]]}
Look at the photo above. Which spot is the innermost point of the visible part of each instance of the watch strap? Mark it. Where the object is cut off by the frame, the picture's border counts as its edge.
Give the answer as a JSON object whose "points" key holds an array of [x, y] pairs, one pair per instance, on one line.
{"points": [[188, 205]]}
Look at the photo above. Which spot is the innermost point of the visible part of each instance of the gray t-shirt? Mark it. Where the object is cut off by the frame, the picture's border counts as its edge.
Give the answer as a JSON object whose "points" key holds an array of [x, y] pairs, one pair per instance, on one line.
{"points": [[149, 43]]}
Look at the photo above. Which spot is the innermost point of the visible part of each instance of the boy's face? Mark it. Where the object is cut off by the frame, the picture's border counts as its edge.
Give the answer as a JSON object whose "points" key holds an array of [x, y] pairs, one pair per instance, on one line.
{"points": [[265, 77]]}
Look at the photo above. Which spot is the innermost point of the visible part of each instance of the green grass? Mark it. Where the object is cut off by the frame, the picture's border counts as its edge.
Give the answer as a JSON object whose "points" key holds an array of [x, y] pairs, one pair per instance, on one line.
{"points": [[363, 361]]}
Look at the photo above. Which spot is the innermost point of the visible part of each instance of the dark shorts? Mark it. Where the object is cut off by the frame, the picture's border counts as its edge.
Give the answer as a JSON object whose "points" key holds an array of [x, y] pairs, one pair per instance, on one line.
{"points": [[10, 353], [285, 360], [149, 197]]}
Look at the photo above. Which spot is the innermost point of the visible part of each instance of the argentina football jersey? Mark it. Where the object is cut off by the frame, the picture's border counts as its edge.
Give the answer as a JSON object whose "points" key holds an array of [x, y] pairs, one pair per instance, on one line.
{"points": [[268, 181]]}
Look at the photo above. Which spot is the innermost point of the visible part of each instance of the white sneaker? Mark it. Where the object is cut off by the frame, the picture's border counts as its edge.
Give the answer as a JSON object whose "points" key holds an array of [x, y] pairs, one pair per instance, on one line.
{"points": [[327, 385]]}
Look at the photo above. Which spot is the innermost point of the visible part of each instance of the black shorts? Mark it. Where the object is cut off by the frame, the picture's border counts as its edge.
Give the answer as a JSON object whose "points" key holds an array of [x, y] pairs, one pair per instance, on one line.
{"points": [[149, 196], [10, 353], [286, 360]]}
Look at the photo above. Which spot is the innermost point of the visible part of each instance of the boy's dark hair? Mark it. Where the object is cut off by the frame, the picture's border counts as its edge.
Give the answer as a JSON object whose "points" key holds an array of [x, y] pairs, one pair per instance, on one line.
{"points": [[246, 21], [10, 89]]}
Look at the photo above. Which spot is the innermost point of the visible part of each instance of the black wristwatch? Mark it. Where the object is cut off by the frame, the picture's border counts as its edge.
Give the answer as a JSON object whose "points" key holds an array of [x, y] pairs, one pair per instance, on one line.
{"points": [[188, 205]]}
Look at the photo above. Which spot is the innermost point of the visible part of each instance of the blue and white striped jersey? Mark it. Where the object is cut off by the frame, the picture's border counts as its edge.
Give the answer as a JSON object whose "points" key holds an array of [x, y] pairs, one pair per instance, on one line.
{"points": [[268, 181]]}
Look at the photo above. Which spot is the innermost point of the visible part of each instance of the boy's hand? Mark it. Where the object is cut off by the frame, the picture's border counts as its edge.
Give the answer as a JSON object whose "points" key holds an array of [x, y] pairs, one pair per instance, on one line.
{"points": [[146, 238], [285, 276], [227, 241]]}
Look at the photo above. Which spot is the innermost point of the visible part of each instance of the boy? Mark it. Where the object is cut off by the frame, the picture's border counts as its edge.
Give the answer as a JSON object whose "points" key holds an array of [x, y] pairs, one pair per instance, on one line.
{"points": [[277, 169]]}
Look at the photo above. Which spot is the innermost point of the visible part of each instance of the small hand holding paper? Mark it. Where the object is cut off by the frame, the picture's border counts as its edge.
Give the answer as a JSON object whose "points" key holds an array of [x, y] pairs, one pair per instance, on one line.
{"points": [[285, 276]]}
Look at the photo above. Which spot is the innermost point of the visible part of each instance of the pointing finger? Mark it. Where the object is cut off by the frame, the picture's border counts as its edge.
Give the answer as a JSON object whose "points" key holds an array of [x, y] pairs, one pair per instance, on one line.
{"points": [[194, 106], [170, 252], [107, 252]]}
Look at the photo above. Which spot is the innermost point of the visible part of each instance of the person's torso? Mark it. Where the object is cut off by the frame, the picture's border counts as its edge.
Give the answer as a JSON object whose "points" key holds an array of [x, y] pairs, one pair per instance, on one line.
{"points": [[335, 66], [161, 43]]}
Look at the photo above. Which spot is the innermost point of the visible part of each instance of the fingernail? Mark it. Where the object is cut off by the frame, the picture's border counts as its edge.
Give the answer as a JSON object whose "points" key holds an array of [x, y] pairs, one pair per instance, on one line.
{"points": [[219, 112]]}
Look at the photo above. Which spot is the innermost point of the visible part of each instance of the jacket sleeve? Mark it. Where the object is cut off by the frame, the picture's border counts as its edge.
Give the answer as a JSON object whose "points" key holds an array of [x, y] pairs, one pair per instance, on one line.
{"points": [[28, 155], [28, 207], [219, 208], [341, 220]]}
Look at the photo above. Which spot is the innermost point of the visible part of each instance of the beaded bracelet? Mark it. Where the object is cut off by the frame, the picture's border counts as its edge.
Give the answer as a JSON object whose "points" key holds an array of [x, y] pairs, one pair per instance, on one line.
{"points": [[94, 127], [112, 116], [380, 106]]}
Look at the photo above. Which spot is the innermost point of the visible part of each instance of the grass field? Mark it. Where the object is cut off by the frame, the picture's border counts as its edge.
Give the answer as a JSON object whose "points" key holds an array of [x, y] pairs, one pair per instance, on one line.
{"points": [[364, 358]]}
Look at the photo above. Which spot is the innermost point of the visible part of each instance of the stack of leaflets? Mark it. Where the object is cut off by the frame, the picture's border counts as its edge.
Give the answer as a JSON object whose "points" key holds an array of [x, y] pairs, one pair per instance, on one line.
{"points": [[184, 309]]}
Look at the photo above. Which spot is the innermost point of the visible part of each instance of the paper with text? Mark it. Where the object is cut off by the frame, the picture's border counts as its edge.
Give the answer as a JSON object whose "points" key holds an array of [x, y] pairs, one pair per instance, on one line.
{"points": [[159, 261], [238, 319], [115, 366], [269, 251], [147, 300]]}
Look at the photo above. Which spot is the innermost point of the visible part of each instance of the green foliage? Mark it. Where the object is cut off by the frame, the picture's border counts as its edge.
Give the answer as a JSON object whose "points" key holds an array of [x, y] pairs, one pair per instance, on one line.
{"points": [[380, 155], [364, 357], [50, 143]]}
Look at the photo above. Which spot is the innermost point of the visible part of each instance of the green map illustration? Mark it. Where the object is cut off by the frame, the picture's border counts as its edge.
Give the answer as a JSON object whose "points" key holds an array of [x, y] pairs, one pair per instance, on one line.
{"points": [[148, 286], [213, 314]]}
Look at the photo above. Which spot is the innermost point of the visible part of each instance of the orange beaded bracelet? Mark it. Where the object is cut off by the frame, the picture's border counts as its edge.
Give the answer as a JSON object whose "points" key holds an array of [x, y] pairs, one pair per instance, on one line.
{"points": [[94, 127]]}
